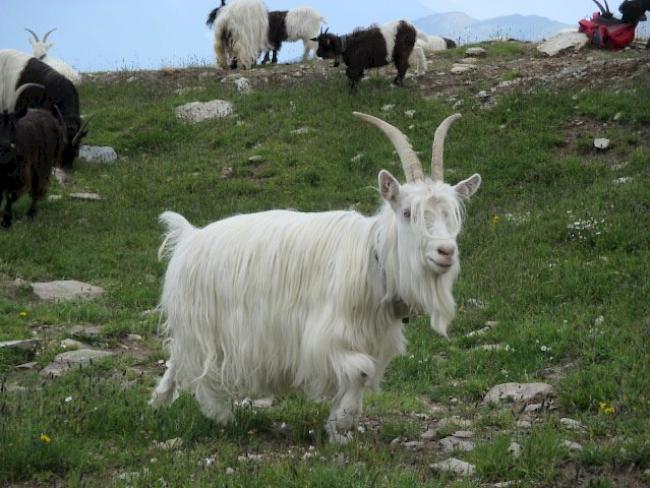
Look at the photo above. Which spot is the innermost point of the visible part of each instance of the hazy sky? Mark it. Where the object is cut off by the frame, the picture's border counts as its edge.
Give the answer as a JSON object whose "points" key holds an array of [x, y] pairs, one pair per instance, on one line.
{"points": [[112, 34]]}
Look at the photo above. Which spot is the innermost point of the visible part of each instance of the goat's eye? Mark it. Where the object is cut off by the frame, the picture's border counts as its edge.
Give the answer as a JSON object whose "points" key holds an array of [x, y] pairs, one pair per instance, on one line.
{"points": [[406, 213]]}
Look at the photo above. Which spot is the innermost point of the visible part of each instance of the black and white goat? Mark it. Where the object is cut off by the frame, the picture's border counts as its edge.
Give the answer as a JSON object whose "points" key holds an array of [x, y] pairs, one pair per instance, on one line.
{"points": [[17, 69], [41, 48], [297, 24], [31, 144], [370, 48], [633, 11]]}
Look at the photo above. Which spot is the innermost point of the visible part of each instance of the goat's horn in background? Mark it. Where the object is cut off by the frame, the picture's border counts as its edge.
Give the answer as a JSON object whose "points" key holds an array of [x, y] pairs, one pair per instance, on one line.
{"points": [[48, 33], [600, 7], [33, 34], [21, 89], [79, 133], [410, 161], [438, 150]]}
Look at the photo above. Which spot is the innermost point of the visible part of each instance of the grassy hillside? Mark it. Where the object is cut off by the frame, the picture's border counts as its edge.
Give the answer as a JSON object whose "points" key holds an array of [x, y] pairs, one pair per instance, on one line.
{"points": [[556, 249]]}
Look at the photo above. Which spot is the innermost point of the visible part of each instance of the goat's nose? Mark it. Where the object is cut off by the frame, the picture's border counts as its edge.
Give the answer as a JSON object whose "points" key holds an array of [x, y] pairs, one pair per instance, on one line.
{"points": [[447, 250]]}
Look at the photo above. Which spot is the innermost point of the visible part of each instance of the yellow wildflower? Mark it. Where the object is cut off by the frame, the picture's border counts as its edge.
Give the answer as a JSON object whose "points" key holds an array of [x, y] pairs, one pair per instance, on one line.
{"points": [[45, 438], [606, 409], [496, 219], [23, 314]]}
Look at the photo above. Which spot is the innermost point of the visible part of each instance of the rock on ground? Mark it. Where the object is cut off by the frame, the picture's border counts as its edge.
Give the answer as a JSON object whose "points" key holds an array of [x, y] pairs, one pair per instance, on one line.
{"points": [[454, 466], [475, 51], [66, 290], [452, 443], [519, 392], [195, 112], [23, 344], [97, 154], [563, 41], [66, 361]]}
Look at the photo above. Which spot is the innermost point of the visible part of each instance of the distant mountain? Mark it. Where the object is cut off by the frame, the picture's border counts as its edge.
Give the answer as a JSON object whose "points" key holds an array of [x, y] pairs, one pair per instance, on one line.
{"points": [[459, 26]]}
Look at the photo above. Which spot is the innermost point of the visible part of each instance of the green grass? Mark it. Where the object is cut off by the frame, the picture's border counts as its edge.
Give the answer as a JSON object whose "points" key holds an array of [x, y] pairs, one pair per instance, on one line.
{"points": [[545, 282]]}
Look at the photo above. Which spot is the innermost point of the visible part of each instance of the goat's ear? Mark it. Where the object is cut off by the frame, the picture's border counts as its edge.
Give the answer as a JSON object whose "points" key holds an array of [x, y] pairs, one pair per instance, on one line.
{"points": [[468, 187], [388, 186]]}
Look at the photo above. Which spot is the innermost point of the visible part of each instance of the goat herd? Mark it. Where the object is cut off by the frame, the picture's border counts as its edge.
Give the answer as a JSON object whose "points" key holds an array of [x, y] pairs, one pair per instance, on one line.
{"points": [[244, 28], [277, 301]]}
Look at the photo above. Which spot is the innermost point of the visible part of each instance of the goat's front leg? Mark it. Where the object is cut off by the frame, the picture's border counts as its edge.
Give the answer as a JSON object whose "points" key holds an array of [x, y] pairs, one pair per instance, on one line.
{"points": [[7, 215], [266, 58], [274, 60], [346, 406]]}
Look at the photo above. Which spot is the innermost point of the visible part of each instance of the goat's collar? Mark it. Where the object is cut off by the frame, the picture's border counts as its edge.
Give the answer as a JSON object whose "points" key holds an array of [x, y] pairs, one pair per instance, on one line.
{"points": [[42, 57], [400, 309]]}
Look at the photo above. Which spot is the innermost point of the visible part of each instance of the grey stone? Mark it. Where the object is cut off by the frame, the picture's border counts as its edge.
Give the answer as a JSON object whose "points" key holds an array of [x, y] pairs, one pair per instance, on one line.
{"points": [[71, 344], [243, 85], [452, 443], [519, 392], [414, 445], [66, 361], [454, 421], [195, 112], [623, 180], [430, 435], [97, 154], [26, 366], [524, 424], [23, 344], [86, 332], [61, 176], [601, 143], [256, 159], [85, 196], [300, 131], [514, 450], [170, 444], [454, 466], [387, 107], [483, 95], [66, 290], [459, 69], [571, 424], [463, 434], [562, 42], [410, 114], [571, 446], [475, 51]]}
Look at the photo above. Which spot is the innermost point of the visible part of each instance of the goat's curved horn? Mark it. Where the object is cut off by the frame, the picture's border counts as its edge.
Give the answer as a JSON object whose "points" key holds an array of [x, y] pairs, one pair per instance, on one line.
{"points": [[438, 151], [410, 161], [80, 132], [607, 5], [33, 34], [47, 34], [600, 7], [22, 88]]}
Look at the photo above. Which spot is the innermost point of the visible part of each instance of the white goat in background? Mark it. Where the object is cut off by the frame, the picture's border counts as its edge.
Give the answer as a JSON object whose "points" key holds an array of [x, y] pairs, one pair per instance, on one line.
{"points": [[241, 33], [280, 301], [41, 48], [297, 24]]}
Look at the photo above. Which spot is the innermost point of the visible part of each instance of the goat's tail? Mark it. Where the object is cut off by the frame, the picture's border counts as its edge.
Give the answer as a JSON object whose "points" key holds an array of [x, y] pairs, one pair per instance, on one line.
{"points": [[177, 227]]}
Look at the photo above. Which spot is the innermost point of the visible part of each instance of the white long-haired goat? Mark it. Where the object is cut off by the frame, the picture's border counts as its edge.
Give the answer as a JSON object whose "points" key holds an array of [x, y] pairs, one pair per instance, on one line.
{"points": [[41, 48], [241, 33], [281, 301]]}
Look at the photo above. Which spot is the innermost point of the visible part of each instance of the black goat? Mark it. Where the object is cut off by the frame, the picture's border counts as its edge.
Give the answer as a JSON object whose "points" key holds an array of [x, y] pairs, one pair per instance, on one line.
{"points": [[60, 95], [633, 11], [370, 48], [31, 144]]}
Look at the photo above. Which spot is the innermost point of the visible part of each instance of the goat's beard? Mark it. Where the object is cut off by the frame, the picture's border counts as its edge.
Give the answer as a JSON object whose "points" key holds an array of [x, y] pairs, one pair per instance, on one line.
{"points": [[431, 294]]}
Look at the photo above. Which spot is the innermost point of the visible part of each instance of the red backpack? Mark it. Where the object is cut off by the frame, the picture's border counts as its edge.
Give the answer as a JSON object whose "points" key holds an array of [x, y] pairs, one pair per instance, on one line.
{"points": [[607, 33]]}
